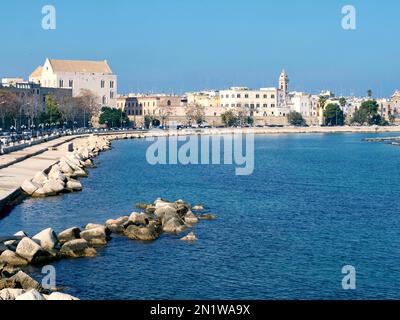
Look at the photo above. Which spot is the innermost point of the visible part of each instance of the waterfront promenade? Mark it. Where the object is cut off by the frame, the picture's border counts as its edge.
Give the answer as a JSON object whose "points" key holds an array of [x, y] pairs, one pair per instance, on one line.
{"points": [[18, 166]]}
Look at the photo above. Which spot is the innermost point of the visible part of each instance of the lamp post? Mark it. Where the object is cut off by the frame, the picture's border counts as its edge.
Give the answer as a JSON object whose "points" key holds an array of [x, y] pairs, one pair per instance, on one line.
{"points": [[23, 127], [32, 128], [40, 126], [12, 129]]}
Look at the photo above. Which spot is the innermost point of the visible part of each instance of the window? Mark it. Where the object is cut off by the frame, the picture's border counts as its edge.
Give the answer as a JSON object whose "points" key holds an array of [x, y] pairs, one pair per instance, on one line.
{"points": [[112, 84], [104, 99], [272, 96], [102, 84], [61, 83], [265, 106], [238, 96], [71, 83], [111, 95], [265, 96], [246, 96], [257, 96]]}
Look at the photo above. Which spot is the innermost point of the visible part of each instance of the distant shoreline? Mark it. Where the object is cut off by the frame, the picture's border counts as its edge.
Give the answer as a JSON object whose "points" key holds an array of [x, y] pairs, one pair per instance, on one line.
{"points": [[257, 131]]}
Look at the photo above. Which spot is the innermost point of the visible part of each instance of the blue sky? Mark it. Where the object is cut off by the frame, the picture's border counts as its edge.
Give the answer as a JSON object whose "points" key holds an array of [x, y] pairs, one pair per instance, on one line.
{"points": [[181, 45]]}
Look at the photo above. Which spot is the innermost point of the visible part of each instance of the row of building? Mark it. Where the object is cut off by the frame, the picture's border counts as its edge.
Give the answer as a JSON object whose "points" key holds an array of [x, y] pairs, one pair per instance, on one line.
{"points": [[266, 105]]}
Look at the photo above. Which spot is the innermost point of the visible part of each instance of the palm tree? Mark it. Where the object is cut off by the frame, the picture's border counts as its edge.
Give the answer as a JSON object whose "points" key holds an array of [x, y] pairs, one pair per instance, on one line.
{"points": [[321, 106], [369, 93]]}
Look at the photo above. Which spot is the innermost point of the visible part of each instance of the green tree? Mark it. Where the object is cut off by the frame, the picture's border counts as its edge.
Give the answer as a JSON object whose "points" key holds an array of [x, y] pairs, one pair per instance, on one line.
{"points": [[368, 114], [342, 102], [148, 120], [296, 119], [51, 115], [250, 120], [113, 117], [333, 115], [229, 119], [369, 93]]}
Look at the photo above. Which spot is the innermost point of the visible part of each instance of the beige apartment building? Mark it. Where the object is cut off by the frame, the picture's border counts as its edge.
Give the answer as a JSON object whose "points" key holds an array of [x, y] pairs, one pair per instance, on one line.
{"points": [[160, 107], [206, 99], [265, 102], [78, 75]]}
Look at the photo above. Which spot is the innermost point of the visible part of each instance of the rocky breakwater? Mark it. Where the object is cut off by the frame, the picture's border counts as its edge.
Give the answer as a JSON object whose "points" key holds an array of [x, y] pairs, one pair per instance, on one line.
{"points": [[62, 176], [20, 250]]}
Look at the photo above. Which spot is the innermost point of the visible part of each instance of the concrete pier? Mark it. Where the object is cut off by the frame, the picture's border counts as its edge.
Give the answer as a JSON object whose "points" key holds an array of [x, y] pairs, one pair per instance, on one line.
{"points": [[19, 166]]}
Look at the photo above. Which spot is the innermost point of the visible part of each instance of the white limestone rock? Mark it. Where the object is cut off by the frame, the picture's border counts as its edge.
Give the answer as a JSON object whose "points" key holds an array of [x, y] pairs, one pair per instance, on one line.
{"points": [[47, 239], [10, 294], [69, 235], [58, 296], [29, 187], [30, 250], [11, 258], [31, 295]]}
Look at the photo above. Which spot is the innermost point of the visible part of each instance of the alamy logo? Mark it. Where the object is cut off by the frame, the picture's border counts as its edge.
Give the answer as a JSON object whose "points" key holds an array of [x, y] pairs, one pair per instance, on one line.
{"points": [[228, 149], [49, 19], [349, 20], [49, 279], [349, 280]]}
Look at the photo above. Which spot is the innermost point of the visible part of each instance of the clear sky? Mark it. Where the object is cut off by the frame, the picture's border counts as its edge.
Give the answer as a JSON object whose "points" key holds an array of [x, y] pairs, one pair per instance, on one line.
{"points": [[183, 45]]}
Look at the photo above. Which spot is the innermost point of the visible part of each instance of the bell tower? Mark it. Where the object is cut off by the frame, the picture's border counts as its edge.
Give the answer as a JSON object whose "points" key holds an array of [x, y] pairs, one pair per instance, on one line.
{"points": [[284, 82]]}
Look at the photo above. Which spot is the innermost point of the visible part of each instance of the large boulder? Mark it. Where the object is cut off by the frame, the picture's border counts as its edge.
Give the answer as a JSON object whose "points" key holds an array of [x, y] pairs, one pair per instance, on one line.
{"points": [[31, 251], [173, 225], [117, 225], [148, 233], [140, 218], [65, 168], [79, 173], [56, 174], [160, 203], [43, 192], [73, 185], [77, 248], [95, 236], [29, 187], [160, 212], [10, 258], [69, 234], [10, 294], [56, 186], [31, 295], [24, 281], [88, 163], [58, 296], [47, 239], [12, 244], [40, 178]]}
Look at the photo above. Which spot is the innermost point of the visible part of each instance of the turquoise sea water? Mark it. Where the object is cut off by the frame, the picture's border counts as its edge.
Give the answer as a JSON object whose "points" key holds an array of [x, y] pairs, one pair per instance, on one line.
{"points": [[314, 204]]}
